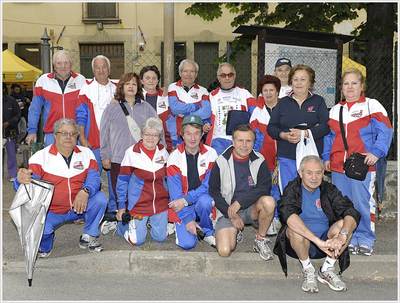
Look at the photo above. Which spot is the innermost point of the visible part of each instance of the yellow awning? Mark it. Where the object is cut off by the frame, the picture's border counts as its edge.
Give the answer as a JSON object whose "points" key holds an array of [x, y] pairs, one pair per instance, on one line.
{"points": [[14, 69]]}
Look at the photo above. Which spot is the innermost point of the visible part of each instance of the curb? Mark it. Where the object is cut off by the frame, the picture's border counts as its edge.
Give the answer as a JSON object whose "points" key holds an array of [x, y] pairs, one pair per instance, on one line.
{"points": [[375, 267]]}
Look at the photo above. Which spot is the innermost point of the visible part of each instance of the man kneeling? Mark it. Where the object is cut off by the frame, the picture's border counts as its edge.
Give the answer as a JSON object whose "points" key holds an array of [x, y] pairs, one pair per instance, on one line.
{"points": [[317, 222], [240, 184]]}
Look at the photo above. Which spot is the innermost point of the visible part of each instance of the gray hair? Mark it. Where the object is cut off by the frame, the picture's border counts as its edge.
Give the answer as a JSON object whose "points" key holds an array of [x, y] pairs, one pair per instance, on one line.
{"points": [[101, 57], [225, 64], [65, 121], [61, 52], [312, 158], [188, 61], [153, 123]]}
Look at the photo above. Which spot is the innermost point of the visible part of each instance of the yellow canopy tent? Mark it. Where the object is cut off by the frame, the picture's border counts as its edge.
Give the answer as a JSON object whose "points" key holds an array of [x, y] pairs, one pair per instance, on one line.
{"points": [[348, 63], [16, 70]]}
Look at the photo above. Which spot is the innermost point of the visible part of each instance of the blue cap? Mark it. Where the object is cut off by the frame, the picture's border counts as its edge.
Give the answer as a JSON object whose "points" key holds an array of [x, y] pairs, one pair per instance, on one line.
{"points": [[283, 61]]}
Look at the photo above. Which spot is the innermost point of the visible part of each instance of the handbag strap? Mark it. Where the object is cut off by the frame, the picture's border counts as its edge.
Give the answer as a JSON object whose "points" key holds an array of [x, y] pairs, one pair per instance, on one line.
{"points": [[124, 109], [346, 147]]}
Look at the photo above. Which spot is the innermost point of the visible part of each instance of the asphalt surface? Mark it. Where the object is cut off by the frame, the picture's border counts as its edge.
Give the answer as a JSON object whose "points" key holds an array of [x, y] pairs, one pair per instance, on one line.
{"points": [[153, 258]]}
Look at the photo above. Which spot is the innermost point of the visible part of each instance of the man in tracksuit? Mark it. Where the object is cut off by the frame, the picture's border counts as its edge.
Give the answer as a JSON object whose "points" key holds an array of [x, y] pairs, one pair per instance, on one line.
{"points": [[240, 184]]}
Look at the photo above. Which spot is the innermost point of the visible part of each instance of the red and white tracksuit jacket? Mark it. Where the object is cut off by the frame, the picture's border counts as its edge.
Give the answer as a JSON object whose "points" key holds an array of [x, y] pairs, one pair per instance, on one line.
{"points": [[365, 120], [56, 104], [177, 177], [48, 164], [141, 181], [264, 143]]}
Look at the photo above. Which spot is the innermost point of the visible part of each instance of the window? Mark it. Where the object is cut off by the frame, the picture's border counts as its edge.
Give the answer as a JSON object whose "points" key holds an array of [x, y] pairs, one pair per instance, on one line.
{"points": [[5, 46], [106, 12], [204, 53], [114, 52], [30, 53], [179, 55]]}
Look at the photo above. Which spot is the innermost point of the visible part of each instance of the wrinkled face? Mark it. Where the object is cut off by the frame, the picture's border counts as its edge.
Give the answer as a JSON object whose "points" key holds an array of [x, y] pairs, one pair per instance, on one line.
{"points": [[150, 81], [66, 142], [192, 137], [301, 82], [352, 87], [130, 88], [150, 138], [101, 71], [282, 72], [188, 74], [311, 176], [226, 77], [243, 144], [62, 66], [270, 94]]}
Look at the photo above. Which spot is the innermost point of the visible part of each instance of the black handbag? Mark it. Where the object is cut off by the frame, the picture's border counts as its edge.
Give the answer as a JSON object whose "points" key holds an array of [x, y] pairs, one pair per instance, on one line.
{"points": [[354, 166], [236, 118]]}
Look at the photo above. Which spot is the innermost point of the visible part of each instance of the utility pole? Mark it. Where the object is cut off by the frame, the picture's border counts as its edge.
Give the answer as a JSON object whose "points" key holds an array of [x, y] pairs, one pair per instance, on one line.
{"points": [[168, 44]]}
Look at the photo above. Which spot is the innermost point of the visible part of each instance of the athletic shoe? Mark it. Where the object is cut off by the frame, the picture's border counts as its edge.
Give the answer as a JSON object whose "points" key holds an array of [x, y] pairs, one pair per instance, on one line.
{"points": [[12, 179], [329, 277], [19, 151], [79, 221], [278, 223], [365, 250], [108, 226], [42, 254], [239, 236], [309, 280], [272, 231], [90, 242], [171, 228], [353, 249], [261, 246], [210, 240]]}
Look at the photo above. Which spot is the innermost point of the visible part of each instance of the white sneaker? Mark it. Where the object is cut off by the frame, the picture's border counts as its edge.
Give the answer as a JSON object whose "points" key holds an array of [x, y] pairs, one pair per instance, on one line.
{"points": [[171, 228], [210, 240], [272, 231], [108, 226], [278, 223]]}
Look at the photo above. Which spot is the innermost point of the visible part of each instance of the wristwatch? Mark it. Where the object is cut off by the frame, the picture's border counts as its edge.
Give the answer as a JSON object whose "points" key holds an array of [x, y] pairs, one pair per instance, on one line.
{"points": [[343, 232], [86, 190], [185, 202]]}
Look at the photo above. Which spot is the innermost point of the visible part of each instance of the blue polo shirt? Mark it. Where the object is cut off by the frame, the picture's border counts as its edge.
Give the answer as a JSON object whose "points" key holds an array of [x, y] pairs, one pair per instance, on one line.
{"points": [[312, 214]]}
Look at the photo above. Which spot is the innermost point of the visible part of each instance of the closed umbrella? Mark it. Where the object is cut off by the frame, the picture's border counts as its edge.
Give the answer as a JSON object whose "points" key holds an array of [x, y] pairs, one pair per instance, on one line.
{"points": [[381, 175], [28, 211]]}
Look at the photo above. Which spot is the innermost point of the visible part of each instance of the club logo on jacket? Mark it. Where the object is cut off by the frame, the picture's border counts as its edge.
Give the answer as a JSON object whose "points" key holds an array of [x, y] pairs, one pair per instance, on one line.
{"points": [[160, 160], [311, 109], [78, 165], [357, 114], [162, 104], [203, 163], [251, 182], [318, 205], [194, 95], [72, 86]]}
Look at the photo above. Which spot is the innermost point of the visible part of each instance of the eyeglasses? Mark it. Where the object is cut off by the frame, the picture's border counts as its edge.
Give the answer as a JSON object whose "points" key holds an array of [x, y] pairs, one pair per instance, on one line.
{"points": [[64, 133], [151, 135], [230, 75]]}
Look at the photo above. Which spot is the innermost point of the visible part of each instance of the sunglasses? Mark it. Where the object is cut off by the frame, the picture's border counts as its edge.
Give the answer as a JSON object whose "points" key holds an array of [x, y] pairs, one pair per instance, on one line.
{"points": [[230, 75], [64, 133]]}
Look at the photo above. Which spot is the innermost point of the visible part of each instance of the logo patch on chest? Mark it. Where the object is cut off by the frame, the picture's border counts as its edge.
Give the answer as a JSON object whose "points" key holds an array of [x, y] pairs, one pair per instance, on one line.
{"points": [[78, 165]]}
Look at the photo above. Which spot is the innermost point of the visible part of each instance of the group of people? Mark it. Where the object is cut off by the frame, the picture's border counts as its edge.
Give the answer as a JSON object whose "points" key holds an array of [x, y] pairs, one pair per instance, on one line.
{"points": [[171, 162]]}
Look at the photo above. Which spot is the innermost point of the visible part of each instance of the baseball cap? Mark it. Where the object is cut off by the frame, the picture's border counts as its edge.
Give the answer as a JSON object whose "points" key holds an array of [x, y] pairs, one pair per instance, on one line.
{"points": [[192, 119], [283, 61]]}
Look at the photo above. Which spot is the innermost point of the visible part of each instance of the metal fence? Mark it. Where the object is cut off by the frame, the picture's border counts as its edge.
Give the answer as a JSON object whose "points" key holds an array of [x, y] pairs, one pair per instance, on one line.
{"points": [[251, 66]]}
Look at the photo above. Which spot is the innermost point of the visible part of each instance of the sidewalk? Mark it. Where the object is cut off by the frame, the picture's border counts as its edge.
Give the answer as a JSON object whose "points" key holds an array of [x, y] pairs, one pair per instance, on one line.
{"points": [[167, 257]]}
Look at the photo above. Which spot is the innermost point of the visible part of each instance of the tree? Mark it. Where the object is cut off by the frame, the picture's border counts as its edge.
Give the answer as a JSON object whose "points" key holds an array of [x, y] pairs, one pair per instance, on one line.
{"points": [[377, 33]]}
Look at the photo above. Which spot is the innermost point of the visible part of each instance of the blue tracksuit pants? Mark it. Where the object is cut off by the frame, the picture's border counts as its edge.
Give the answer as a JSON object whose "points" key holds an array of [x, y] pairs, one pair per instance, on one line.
{"points": [[93, 215], [361, 193], [202, 209]]}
